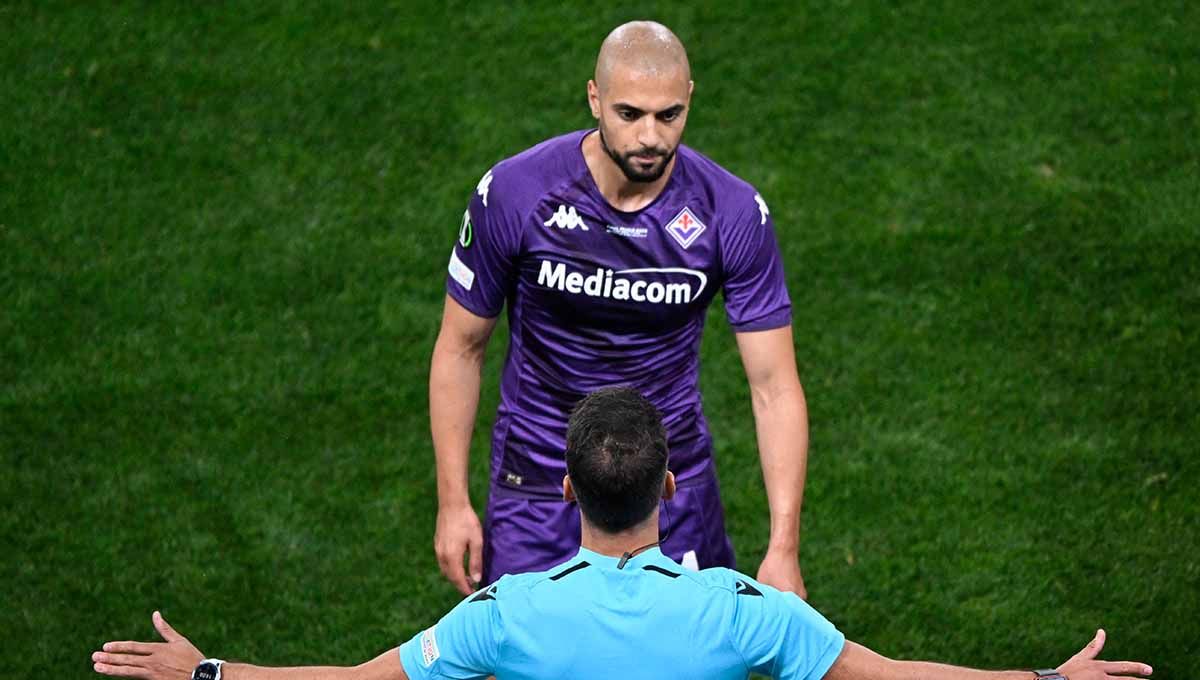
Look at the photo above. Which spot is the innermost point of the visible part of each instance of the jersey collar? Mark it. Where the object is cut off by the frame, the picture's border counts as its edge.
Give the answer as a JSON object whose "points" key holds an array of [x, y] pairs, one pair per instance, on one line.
{"points": [[648, 556], [594, 189]]}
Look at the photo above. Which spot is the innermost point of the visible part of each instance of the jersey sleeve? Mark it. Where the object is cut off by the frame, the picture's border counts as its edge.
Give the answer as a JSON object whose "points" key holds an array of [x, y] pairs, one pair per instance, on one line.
{"points": [[756, 297], [780, 635], [464, 644], [483, 261]]}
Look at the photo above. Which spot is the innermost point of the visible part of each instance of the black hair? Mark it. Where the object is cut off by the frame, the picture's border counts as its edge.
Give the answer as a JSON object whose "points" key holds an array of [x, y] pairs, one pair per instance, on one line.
{"points": [[616, 457]]}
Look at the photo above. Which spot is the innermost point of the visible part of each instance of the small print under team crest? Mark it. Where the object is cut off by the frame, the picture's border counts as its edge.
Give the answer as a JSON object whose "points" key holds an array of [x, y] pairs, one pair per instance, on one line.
{"points": [[685, 228]]}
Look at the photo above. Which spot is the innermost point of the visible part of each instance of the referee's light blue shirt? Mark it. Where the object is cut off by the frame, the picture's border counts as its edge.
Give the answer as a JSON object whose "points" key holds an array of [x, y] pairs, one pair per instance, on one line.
{"points": [[653, 619]]}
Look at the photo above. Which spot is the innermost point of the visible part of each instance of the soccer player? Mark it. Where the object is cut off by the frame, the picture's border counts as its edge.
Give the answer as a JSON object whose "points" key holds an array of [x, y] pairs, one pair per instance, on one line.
{"points": [[607, 247], [618, 609]]}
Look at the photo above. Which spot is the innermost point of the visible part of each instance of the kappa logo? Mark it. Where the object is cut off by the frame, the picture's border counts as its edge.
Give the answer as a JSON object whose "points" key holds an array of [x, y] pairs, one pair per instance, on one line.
{"points": [[483, 186], [566, 218], [762, 208], [685, 228]]}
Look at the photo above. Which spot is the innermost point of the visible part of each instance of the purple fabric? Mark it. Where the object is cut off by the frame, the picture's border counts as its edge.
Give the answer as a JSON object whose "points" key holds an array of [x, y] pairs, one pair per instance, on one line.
{"points": [[525, 533], [541, 238]]}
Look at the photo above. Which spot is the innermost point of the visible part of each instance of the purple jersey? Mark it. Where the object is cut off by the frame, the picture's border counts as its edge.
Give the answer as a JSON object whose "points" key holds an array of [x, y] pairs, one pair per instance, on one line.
{"points": [[599, 297]]}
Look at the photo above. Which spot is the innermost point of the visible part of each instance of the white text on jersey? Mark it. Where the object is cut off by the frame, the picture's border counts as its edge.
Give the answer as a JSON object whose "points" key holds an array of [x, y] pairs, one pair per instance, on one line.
{"points": [[618, 285]]}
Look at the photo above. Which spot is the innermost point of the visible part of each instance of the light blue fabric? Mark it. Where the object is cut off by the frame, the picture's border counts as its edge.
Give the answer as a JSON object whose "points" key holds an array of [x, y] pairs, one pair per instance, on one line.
{"points": [[653, 619]]}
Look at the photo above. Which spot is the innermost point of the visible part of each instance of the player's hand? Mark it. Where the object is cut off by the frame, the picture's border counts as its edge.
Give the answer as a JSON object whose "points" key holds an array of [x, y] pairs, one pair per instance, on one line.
{"points": [[781, 569], [459, 535], [174, 659], [1085, 665]]}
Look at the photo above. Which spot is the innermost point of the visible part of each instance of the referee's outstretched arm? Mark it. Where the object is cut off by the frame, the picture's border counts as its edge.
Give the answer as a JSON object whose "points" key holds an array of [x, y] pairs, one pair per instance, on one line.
{"points": [[619, 608], [176, 658], [859, 663]]}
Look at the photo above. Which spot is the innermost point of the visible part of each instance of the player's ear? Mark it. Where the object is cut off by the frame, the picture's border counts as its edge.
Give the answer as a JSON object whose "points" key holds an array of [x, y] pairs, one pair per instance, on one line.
{"points": [[568, 492], [593, 91], [669, 486]]}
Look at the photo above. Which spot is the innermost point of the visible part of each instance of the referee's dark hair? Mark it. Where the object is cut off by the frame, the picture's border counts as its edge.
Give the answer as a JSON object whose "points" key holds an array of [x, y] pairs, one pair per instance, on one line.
{"points": [[616, 457]]}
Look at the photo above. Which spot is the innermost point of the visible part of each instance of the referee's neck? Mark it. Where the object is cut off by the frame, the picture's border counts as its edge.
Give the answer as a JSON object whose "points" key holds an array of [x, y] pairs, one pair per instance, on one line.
{"points": [[616, 545]]}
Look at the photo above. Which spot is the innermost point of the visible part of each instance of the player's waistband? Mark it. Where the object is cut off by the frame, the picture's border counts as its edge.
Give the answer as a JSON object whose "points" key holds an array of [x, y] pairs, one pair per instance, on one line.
{"points": [[502, 488]]}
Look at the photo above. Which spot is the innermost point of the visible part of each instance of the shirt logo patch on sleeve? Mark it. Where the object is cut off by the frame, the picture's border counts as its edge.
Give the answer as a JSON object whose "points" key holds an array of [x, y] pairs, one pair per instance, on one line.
{"points": [[466, 233], [429, 648], [461, 272], [685, 228]]}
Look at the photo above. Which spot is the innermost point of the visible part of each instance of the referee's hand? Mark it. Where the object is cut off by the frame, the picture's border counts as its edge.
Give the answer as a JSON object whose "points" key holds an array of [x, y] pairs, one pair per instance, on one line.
{"points": [[1085, 666], [173, 659], [459, 535]]}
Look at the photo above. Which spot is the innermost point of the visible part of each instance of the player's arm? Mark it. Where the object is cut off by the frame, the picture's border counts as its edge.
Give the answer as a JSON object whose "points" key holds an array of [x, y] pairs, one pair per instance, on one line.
{"points": [[781, 425], [859, 663], [176, 657], [454, 380]]}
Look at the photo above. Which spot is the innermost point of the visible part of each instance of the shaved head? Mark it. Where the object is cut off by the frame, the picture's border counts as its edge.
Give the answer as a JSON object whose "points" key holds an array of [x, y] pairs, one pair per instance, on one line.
{"points": [[644, 47]]}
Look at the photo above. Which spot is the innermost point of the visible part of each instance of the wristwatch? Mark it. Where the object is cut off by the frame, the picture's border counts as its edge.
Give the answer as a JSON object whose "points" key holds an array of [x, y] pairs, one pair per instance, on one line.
{"points": [[209, 669], [1049, 674]]}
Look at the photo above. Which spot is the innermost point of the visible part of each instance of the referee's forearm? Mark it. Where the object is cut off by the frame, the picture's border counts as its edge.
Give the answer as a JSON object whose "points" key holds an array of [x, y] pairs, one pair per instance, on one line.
{"points": [[245, 671], [857, 662], [386, 666], [926, 670]]}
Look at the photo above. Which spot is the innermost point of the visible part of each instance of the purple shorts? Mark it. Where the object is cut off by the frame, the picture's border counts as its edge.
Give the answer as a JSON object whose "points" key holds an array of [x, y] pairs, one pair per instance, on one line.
{"points": [[524, 533]]}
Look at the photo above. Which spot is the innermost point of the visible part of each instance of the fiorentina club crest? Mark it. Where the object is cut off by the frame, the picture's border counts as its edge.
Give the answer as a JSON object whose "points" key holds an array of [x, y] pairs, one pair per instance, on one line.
{"points": [[685, 228]]}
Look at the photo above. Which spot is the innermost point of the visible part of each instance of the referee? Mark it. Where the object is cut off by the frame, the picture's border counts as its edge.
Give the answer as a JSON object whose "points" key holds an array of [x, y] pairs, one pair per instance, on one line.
{"points": [[618, 609]]}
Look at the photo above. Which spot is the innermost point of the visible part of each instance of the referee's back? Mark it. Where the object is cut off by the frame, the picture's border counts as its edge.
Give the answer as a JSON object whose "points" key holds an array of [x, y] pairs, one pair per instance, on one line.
{"points": [[650, 619]]}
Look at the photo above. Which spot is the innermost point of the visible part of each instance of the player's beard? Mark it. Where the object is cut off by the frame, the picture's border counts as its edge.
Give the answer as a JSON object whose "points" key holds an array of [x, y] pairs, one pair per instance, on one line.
{"points": [[632, 172]]}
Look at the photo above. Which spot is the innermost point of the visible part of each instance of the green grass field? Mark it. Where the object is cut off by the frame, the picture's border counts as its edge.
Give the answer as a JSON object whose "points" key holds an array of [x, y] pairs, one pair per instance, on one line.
{"points": [[223, 237]]}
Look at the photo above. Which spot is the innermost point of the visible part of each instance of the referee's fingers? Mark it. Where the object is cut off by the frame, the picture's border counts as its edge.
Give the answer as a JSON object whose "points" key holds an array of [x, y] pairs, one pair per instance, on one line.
{"points": [[131, 647], [1126, 667]]}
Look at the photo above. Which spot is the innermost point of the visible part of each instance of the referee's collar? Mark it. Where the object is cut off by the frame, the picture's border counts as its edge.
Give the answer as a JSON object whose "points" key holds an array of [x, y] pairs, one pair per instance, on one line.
{"points": [[648, 556]]}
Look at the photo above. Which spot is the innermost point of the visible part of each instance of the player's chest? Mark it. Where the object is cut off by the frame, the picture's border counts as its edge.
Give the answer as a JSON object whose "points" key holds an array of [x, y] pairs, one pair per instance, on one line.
{"points": [[658, 266]]}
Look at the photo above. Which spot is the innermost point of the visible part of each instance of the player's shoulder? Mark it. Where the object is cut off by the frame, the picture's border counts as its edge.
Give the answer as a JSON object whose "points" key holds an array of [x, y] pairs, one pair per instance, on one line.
{"points": [[711, 175], [528, 175], [728, 194]]}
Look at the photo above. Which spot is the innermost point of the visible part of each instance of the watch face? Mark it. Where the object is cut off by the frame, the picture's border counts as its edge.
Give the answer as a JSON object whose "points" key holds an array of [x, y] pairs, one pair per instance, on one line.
{"points": [[205, 671]]}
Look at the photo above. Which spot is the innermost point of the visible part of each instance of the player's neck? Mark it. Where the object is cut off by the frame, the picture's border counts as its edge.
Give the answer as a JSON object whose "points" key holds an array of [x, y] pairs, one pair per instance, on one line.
{"points": [[614, 186], [616, 545]]}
